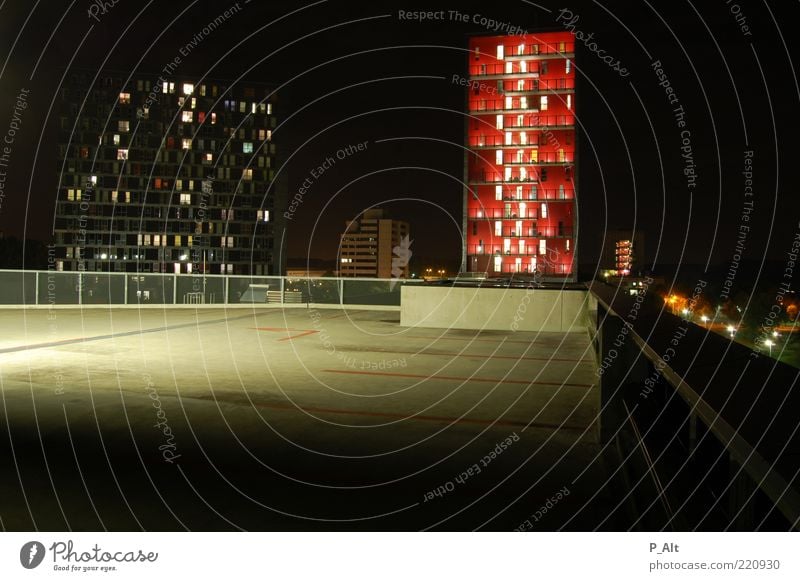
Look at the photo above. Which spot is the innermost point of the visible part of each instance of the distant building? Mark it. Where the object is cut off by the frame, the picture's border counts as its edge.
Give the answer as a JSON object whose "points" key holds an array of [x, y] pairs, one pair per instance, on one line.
{"points": [[520, 214], [368, 247], [162, 174], [623, 252]]}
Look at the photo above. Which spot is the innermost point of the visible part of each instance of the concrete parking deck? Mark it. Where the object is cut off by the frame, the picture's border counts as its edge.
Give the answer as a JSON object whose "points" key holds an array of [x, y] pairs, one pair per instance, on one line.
{"points": [[294, 419]]}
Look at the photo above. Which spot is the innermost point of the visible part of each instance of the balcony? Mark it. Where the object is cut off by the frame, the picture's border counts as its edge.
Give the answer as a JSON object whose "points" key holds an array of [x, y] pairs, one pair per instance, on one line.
{"points": [[496, 178], [502, 214], [502, 71], [542, 158], [539, 51]]}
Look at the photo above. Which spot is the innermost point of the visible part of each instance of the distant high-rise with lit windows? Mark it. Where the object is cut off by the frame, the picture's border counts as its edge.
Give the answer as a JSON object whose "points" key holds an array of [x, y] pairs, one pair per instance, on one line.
{"points": [[167, 175], [520, 213]]}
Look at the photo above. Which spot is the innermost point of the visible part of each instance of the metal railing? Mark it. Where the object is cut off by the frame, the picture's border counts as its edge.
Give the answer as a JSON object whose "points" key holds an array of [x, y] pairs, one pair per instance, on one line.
{"points": [[59, 288]]}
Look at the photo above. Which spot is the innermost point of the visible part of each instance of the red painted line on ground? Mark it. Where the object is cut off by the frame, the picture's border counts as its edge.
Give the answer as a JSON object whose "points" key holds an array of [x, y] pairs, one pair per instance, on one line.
{"points": [[298, 336], [495, 341], [303, 332], [483, 356], [451, 378], [424, 418]]}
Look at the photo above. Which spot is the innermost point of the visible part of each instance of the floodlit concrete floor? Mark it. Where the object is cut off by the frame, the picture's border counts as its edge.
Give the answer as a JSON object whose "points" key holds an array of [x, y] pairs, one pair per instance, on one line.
{"points": [[294, 419]]}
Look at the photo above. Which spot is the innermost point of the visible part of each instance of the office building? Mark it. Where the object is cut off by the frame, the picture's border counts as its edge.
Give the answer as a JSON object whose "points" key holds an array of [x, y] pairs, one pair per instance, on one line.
{"points": [[374, 245]]}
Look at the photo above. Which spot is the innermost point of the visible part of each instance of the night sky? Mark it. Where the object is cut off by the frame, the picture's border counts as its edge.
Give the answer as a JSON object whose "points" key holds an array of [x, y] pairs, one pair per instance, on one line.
{"points": [[350, 72]]}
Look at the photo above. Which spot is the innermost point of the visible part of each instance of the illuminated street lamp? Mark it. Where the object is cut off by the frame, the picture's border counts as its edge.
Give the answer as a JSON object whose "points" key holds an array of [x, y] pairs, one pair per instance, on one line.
{"points": [[775, 334], [769, 344], [704, 319], [731, 330], [685, 312]]}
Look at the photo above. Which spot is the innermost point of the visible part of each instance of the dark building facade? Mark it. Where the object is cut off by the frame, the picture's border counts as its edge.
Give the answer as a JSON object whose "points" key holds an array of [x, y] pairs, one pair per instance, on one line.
{"points": [[520, 212], [167, 175]]}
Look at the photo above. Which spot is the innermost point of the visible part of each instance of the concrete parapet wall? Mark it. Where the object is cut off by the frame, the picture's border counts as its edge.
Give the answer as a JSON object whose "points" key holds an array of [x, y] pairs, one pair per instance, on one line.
{"points": [[496, 309]]}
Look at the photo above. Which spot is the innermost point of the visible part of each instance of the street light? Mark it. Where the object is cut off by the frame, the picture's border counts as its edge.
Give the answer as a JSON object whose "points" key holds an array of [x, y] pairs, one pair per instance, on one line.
{"points": [[704, 319], [769, 344], [731, 330]]}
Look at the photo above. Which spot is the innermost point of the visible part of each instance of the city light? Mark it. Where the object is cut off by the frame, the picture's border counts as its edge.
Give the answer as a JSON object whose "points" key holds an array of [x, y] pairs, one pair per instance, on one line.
{"points": [[769, 344], [704, 319], [731, 330]]}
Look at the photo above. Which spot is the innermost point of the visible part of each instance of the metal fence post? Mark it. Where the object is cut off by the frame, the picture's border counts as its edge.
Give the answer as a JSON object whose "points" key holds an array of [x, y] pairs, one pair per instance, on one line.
{"points": [[174, 289], [36, 274]]}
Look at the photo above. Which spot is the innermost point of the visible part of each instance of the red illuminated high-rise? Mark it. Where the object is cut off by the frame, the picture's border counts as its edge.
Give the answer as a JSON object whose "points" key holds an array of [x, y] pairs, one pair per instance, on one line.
{"points": [[520, 172]]}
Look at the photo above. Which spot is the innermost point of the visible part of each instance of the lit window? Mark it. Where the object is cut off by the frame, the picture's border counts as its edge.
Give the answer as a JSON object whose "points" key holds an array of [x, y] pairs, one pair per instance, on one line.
{"points": [[188, 88], [247, 147], [213, 118], [498, 263], [543, 213], [543, 103], [542, 246], [269, 134], [172, 87], [124, 98], [123, 126], [128, 197], [146, 241], [242, 106], [209, 157], [115, 139], [254, 108], [156, 239], [122, 154], [187, 116], [263, 215], [269, 108], [569, 101], [165, 87], [247, 175], [186, 199], [186, 143], [568, 66], [202, 90], [501, 53], [114, 196], [498, 158], [71, 194], [177, 240], [93, 179], [498, 192], [499, 121], [498, 228]]}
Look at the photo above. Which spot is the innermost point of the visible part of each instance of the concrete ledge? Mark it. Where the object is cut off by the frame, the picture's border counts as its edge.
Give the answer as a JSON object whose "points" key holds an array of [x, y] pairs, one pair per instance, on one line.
{"points": [[496, 309]]}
